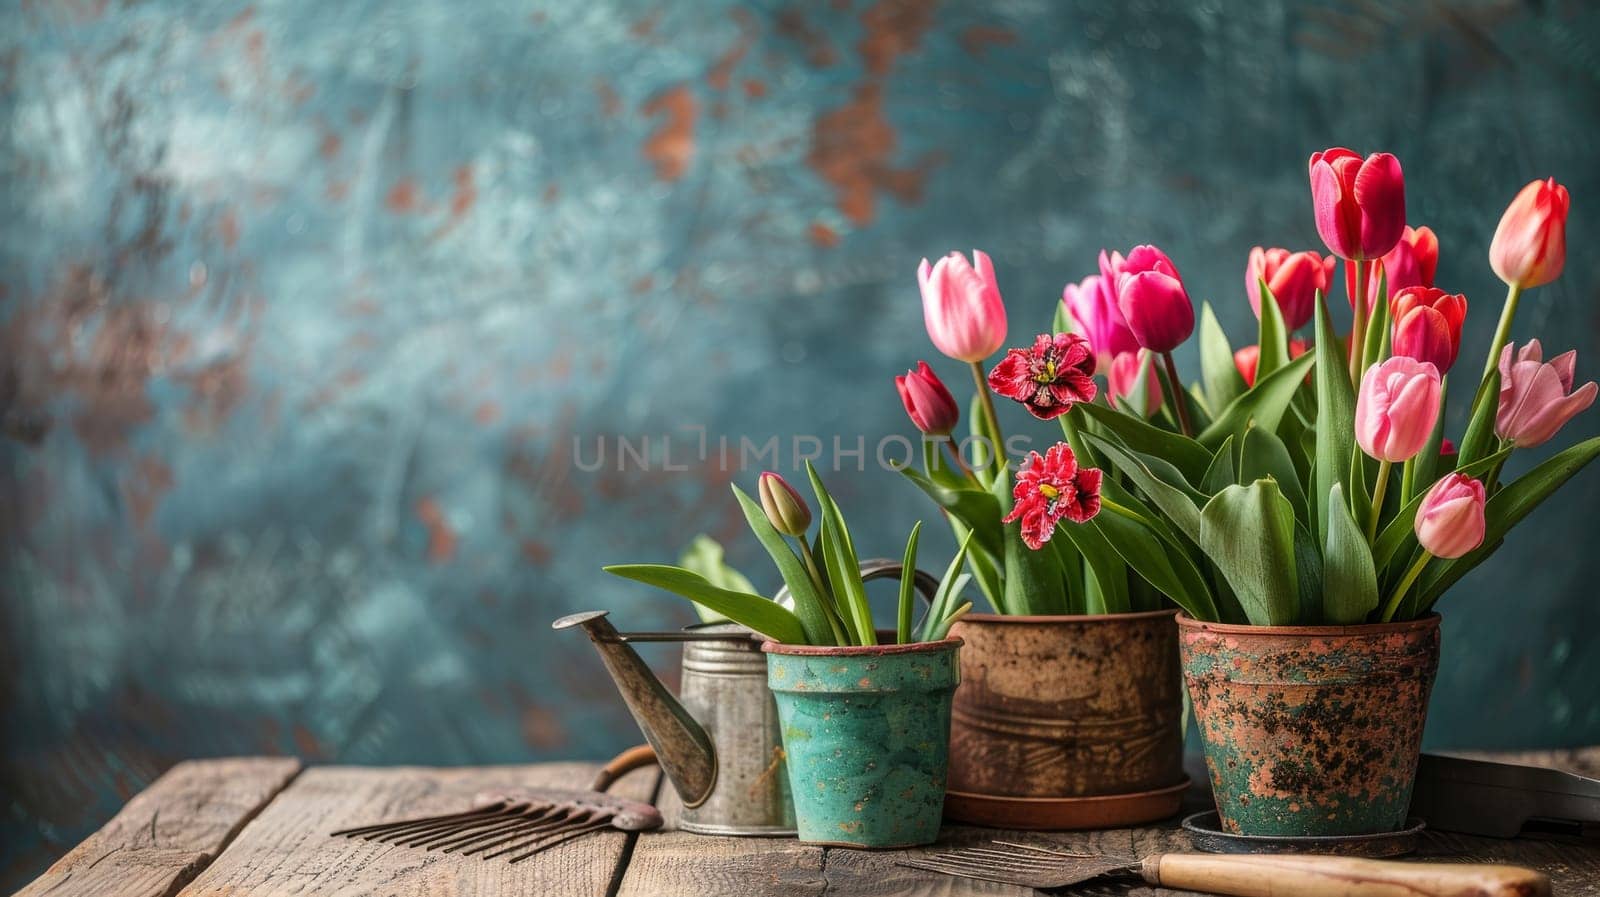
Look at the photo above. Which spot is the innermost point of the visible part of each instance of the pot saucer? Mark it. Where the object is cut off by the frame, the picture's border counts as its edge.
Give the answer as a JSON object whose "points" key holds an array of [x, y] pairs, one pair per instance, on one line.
{"points": [[1063, 813], [1205, 831]]}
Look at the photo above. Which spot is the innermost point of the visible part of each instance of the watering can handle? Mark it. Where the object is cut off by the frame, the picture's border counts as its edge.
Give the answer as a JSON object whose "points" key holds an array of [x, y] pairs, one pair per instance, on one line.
{"points": [[636, 757], [878, 568]]}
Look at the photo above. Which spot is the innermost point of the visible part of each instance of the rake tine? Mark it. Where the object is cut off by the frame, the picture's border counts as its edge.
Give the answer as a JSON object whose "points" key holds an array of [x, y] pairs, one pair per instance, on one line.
{"points": [[1012, 855], [566, 826], [449, 845], [964, 871], [1052, 852], [420, 838], [419, 828], [562, 839], [360, 829], [485, 839], [560, 823], [1013, 864]]}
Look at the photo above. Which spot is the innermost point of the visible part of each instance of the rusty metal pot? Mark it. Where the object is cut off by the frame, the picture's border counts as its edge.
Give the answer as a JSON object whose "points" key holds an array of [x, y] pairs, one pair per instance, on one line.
{"points": [[1311, 730], [1067, 721]]}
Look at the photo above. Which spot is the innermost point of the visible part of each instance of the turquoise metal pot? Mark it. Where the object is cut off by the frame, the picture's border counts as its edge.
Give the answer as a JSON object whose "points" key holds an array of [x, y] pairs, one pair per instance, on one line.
{"points": [[866, 731]]}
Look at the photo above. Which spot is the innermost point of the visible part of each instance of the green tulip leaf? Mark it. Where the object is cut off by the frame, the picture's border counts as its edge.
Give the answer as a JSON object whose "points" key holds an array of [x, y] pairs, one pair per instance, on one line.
{"points": [[1479, 439], [811, 605], [1274, 335], [1264, 455], [1224, 470], [1163, 564], [908, 587], [977, 509], [1262, 406], [1141, 436], [1350, 582], [1249, 534], [764, 616], [950, 586], [843, 568], [1336, 416], [1217, 370], [705, 557]]}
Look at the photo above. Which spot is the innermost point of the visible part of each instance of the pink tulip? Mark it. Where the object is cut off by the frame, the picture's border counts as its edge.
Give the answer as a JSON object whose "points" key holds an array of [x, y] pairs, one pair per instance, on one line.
{"points": [[928, 401], [1293, 278], [1449, 522], [1360, 205], [961, 306], [1411, 263], [1427, 325], [1092, 307], [1530, 245], [1153, 300], [1397, 408], [1536, 396], [1123, 376]]}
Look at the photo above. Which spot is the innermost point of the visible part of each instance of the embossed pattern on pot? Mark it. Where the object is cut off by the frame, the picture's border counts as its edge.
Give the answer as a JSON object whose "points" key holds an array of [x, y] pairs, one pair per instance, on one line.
{"points": [[1311, 730], [1067, 706]]}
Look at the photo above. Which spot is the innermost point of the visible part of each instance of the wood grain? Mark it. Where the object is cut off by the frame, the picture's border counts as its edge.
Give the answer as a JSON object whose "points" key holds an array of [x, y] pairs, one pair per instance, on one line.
{"points": [[287, 849], [170, 831]]}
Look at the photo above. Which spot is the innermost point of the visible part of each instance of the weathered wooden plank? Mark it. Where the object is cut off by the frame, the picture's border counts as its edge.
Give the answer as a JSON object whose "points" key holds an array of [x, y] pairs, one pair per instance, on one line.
{"points": [[170, 831], [288, 849]]}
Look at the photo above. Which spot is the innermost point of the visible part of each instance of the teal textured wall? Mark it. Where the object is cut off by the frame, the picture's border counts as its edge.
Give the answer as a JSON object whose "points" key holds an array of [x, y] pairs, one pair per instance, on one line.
{"points": [[303, 305]]}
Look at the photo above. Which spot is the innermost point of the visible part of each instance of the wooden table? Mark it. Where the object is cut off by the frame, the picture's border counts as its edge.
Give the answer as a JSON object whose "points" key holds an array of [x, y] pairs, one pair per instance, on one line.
{"points": [[258, 826]]}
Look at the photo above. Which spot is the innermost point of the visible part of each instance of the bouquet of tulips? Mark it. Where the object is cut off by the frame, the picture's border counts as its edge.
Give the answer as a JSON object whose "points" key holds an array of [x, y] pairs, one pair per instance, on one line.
{"points": [[827, 598], [1299, 482]]}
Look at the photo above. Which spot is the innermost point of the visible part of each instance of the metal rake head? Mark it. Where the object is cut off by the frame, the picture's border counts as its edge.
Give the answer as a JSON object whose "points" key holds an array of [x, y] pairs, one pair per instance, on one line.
{"points": [[517, 823], [1027, 865]]}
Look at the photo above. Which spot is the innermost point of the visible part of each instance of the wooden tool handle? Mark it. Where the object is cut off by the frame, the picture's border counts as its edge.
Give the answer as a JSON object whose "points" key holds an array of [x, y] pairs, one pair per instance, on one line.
{"points": [[622, 764], [1266, 875]]}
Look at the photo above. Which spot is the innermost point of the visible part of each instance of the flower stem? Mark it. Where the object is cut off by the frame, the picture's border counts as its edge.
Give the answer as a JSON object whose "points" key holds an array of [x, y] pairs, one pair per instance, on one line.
{"points": [[1178, 395], [1405, 583], [1355, 274], [1503, 331], [993, 420], [1377, 499]]}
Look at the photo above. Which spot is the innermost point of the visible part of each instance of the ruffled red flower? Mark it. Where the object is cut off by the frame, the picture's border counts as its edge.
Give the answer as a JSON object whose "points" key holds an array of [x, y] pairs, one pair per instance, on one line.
{"points": [[1048, 378], [1049, 487]]}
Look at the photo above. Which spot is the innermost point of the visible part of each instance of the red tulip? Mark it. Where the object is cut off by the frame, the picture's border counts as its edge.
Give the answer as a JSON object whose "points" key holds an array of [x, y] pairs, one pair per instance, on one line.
{"points": [[1049, 377], [1536, 396], [1450, 521], [1411, 263], [1397, 408], [1427, 325], [1123, 376], [1293, 278], [1530, 245], [1049, 487], [1152, 299], [929, 403], [1247, 359], [961, 306], [1092, 306], [1360, 205]]}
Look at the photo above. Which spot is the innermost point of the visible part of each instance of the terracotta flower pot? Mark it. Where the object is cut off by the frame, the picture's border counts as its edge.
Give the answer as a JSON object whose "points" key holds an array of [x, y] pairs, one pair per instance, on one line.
{"points": [[866, 732], [1067, 721], [1311, 730]]}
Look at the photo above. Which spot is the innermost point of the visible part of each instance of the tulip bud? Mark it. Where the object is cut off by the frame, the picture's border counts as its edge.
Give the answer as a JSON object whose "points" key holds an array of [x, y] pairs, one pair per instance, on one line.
{"points": [[1397, 408], [1536, 397], [1427, 325], [1530, 245], [1360, 205], [1293, 278], [1450, 522], [1152, 299], [786, 510], [931, 406], [961, 306]]}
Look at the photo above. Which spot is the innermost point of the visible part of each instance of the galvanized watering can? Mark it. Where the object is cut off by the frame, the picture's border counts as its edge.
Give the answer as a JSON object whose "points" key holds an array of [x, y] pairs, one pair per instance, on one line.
{"points": [[718, 740]]}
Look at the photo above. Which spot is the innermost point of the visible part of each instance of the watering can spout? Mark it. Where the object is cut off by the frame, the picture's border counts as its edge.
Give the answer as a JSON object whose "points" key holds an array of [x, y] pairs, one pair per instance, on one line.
{"points": [[682, 746]]}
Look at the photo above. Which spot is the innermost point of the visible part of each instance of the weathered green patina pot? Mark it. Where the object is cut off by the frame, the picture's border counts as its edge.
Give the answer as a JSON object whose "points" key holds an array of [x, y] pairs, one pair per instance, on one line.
{"points": [[1311, 730], [866, 731]]}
